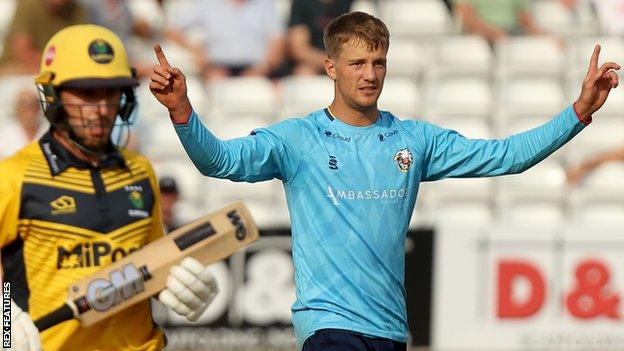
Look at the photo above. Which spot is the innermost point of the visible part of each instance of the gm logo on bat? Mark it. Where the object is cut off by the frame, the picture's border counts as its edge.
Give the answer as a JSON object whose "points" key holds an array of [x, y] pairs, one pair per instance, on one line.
{"points": [[124, 283], [238, 223], [102, 294]]}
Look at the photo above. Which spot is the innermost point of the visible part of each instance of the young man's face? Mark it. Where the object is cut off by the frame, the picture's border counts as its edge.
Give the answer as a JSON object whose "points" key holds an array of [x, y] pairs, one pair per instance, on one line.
{"points": [[359, 74], [91, 114]]}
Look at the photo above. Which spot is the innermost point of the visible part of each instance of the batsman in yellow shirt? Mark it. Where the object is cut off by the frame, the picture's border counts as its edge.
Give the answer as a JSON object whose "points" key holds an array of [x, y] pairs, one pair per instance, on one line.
{"points": [[75, 201]]}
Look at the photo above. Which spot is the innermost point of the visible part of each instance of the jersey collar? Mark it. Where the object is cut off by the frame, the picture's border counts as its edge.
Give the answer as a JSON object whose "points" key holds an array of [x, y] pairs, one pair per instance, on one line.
{"points": [[60, 159]]}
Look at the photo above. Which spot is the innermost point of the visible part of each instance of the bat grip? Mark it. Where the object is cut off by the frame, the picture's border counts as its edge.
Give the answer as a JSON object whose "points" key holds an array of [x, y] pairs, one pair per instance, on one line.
{"points": [[55, 317]]}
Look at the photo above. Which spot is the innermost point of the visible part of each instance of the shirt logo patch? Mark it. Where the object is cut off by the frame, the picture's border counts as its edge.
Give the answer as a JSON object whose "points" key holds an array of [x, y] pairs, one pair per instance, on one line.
{"points": [[50, 55], [330, 134], [136, 199], [63, 205], [101, 51], [386, 196], [386, 135], [403, 159], [333, 162]]}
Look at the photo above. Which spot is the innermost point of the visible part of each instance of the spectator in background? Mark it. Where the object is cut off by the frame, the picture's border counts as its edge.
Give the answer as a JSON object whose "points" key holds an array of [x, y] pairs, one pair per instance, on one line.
{"points": [[610, 14], [25, 128], [308, 19], [34, 23], [169, 196], [495, 20], [239, 37], [116, 16], [577, 173]]}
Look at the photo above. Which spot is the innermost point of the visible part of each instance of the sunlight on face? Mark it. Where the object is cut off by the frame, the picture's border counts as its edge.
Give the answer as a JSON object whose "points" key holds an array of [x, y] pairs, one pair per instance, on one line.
{"points": [[359, 75], [91, 114]]}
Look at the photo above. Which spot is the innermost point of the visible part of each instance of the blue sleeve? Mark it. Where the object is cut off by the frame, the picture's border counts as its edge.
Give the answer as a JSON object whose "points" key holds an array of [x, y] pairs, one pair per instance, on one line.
{"points": [[265, 154], [449, 154]]}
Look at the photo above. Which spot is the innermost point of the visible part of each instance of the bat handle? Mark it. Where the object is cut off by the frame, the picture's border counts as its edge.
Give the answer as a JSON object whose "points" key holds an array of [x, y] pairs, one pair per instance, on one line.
{"points": [[55, 317]]}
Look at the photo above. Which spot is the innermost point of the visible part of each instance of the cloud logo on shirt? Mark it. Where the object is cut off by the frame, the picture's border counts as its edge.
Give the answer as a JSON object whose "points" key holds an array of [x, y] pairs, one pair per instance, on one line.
{"points": [[330, 134]]}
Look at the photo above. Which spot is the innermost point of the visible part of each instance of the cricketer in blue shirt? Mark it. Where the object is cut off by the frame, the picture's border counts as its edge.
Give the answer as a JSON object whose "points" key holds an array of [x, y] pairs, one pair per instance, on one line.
{"points": [[351, 175]]}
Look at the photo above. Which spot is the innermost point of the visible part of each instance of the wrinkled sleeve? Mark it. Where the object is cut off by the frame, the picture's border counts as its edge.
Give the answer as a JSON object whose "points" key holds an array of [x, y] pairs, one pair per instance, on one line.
{"points": [[450, 154], [267, 153]]}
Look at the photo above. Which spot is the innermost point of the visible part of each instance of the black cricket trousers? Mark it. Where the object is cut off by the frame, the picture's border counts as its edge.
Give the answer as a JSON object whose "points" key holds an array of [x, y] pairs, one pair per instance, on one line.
{"points": [[345, 340]]}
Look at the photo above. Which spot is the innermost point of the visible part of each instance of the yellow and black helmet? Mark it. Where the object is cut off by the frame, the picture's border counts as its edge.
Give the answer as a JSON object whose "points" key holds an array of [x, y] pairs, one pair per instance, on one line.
{"points": [[85, 56]]}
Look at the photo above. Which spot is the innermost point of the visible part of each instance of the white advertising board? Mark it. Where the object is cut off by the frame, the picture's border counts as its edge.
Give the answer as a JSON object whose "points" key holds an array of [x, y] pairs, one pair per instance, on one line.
{"points": [[526, 289]]}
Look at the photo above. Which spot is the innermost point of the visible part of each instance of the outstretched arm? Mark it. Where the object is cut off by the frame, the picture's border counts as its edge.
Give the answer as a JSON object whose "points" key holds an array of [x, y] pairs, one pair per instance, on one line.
{"points": [[267, 153], [451, 155]]}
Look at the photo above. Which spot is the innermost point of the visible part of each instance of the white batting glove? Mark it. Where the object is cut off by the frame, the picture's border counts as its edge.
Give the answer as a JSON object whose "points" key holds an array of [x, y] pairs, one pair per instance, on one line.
{"points": [[190, 289], [24, 334]]}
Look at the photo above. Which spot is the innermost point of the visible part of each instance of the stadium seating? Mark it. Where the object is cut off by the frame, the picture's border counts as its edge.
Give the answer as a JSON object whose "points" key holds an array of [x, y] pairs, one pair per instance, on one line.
{"points": [[531, 97], [465, 201], [283, 11], [367, 6], [602, 135], [192, 187], [467, 55], [532, 215], [599, 215], [401, 97], [146, 10], [524, 56], [463, 97], [536, 197], [264, 199], [422, 19], [467, 214], [302, 95], [555, 18], [158, 139], [545, 181], [242, 96], [407, 59], [10, 86], [7, 8], [235, 126], [604, 184]]}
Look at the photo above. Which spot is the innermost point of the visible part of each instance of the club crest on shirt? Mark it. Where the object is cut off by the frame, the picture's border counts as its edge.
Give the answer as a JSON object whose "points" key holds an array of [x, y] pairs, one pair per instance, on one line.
{"points": [[403, 159]]}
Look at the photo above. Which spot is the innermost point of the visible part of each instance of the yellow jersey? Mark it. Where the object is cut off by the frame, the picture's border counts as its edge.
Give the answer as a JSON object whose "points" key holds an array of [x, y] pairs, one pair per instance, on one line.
{"points": [[62, 219]]}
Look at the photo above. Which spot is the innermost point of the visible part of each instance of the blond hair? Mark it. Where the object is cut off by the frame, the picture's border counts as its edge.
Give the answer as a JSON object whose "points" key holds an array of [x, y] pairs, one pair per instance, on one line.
{"points": [[355, 26]]}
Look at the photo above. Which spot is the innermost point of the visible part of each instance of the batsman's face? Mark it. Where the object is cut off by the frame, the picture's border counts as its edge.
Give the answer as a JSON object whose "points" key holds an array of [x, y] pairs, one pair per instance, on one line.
{"points": [[359, 74], [91, 114]]}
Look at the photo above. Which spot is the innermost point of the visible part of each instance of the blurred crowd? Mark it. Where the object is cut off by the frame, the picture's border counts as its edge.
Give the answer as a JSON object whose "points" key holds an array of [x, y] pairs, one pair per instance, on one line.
{"points": [[249, 37]]}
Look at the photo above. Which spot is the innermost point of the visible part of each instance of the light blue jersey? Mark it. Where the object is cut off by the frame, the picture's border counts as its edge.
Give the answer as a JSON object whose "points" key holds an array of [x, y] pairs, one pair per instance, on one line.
{"points": [[351, 191]]}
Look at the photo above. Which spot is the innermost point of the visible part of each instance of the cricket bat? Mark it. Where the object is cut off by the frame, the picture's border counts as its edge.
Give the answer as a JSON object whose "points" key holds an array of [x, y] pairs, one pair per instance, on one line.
{"points": [[143, 273]]}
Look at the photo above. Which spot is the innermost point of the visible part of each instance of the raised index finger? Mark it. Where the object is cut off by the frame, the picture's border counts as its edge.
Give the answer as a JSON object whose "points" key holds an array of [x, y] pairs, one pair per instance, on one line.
{"points": [[593, 62], [160, 55]]}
